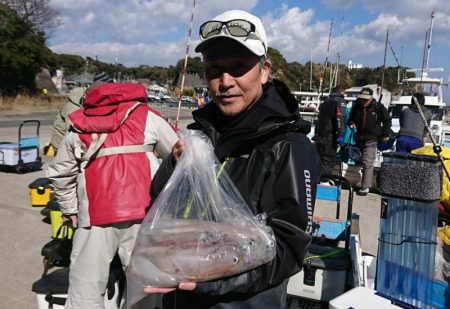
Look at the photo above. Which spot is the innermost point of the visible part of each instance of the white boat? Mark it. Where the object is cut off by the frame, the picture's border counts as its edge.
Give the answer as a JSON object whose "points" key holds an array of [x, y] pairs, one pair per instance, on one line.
{"points": [[431, 87], [309, 102], [309, 99]]}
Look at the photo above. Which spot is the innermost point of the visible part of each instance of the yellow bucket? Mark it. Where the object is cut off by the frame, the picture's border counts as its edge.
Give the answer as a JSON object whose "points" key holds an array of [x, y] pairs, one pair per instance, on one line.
{"points": [[56, 220]]}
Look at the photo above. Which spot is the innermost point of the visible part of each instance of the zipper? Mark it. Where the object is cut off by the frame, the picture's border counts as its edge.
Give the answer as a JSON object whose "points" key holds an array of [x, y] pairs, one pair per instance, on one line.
{"points": [[364, 118]]}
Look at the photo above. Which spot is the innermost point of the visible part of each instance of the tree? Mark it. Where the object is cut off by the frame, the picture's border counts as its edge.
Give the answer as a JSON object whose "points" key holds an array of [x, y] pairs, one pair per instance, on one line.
{"points": [[21, 53], [37, 13], [193, 66]]}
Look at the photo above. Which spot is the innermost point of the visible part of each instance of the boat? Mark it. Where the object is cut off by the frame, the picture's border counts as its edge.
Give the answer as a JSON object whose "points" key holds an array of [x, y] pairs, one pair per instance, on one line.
{"points": [[308, 103], [431, 87], [309, 99]]}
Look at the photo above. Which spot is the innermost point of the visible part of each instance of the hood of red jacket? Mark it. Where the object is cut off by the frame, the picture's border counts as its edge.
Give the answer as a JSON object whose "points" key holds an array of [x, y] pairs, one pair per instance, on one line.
{"points": [[107, 106]]}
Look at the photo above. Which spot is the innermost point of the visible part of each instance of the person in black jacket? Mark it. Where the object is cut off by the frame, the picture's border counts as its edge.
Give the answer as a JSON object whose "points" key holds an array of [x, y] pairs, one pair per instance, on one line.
{"points": [[255, 127], [373, 124], [330, 129]]}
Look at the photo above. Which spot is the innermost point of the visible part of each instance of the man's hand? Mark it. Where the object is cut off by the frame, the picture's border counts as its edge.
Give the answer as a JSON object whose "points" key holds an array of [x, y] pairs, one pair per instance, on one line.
{"points": [[178, 149], [73, 218], [187, 286], [386, 138], [340, 140]]}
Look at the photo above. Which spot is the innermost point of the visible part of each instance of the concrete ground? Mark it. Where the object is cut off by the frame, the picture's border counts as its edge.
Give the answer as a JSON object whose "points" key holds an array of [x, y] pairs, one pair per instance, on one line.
{"points": [[22, 232]]}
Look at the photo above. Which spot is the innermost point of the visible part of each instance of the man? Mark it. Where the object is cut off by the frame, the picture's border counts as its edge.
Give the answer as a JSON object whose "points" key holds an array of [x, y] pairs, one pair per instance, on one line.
{"points": [[330, 129], [101, 177], [372, 123], [413, 133], [61, 123], [74, 102], [255, 126]]}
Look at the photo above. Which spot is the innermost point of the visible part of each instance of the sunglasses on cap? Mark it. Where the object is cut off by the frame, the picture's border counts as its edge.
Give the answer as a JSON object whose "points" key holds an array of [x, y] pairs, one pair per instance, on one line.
{"points": [[235, 27]]}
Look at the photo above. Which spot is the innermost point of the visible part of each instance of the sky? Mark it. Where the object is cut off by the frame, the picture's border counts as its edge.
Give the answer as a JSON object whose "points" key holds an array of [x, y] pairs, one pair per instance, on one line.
{"points": [[155, 32]]}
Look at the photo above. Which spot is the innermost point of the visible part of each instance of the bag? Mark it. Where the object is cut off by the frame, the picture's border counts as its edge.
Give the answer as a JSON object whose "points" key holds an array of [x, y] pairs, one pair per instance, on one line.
{"points": [[57, 251], [350, 153], [199, 228]]}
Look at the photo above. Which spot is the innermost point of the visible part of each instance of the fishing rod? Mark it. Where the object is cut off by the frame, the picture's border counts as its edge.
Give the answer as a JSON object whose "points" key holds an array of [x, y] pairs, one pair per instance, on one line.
{"points": [[183, 77], [437, 149]]}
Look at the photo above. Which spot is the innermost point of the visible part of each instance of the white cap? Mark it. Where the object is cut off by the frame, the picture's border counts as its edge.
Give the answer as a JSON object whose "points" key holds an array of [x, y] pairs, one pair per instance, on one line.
{"points": [[256, 42]]}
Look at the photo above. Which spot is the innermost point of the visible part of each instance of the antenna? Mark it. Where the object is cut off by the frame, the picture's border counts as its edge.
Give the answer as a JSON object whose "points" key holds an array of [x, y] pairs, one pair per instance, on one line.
{"points": [[429, 39], [427, 48], [184, 66]]}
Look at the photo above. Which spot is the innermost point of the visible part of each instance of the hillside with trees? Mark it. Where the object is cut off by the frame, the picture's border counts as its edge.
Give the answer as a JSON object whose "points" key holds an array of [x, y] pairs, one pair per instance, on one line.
{"points": [[25, 25]]}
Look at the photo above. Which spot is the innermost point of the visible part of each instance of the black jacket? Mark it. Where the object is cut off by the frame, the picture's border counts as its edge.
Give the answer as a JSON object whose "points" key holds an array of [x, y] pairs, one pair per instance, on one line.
{"points": [[372, 122], [275, 168], [330, 123]]}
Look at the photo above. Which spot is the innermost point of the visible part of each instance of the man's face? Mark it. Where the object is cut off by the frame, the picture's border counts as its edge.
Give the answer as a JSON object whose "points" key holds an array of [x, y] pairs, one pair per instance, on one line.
{"points": [[365, 102], [235, 75]]}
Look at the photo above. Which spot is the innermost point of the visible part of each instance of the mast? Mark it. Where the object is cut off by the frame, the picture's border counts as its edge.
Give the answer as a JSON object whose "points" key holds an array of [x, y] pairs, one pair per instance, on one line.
{"points": [[430, 34], [384, 66], [310, 70], [335, 73], [185, 65], [326, 60]]}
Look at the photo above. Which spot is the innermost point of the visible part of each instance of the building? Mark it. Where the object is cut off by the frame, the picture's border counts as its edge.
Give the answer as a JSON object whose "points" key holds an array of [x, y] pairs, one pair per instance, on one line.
{"points": [[352, 66]]}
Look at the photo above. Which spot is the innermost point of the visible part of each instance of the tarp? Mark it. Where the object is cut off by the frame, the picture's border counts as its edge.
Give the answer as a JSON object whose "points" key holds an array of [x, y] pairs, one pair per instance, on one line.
{"points": [[445, 194]]}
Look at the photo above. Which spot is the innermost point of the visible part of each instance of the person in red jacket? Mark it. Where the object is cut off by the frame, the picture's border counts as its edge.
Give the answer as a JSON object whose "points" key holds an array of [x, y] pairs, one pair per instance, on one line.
{"points": [[101, 177]]}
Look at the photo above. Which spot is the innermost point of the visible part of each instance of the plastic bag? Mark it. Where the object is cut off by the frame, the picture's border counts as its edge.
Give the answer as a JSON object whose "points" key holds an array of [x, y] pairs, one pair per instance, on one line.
{"points": [[199, 228], [349, 152]]}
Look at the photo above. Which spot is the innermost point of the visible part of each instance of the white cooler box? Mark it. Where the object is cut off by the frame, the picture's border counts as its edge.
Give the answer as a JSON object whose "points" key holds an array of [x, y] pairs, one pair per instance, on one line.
{"points": [[321, 279], [362, 298], [51, 291], [9, 154]]}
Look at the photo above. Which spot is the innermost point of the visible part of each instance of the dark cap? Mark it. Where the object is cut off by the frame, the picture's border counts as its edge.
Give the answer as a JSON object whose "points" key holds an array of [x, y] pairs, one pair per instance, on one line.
{"points": [[102, 77]]}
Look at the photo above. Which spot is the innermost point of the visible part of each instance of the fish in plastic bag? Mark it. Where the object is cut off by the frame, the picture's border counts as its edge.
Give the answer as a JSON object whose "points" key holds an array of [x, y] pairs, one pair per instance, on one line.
{"points": [[199, 228]]}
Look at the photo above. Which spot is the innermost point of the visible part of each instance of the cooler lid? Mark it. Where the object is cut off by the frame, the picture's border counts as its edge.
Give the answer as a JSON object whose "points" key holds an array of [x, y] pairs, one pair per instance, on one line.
{"points": [[40, 182], [56, 282]]}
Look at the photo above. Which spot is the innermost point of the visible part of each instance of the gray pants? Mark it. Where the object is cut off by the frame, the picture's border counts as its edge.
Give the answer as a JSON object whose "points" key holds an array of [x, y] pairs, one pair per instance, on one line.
{"points": [[92, 252], [369, 152]]}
